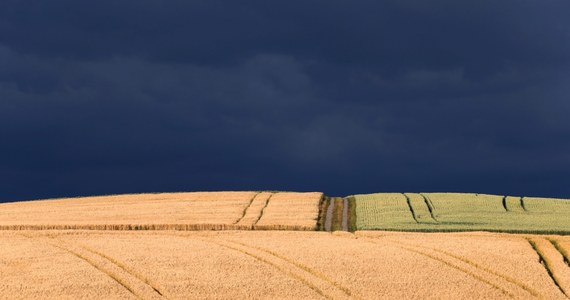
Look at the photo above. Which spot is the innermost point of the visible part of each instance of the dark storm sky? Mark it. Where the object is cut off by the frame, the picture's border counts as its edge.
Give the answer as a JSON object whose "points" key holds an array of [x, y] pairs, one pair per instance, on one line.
{"points": [[345, 97]]}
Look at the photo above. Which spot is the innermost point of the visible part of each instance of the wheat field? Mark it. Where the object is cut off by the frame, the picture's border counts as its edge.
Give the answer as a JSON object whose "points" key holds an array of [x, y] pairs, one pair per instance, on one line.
{"points": [[433, 212], [179, 211], [265, 245], [74, 264]]}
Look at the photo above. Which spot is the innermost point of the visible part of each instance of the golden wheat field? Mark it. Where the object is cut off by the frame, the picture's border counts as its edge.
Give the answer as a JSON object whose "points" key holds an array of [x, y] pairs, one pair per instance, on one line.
{"points": [[74, 264], [182, 211], [265, 245]]}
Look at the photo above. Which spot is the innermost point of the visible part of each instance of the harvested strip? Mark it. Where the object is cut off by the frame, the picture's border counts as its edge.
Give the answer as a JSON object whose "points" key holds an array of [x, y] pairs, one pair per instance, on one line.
{"points": [[253, 211], [130, 282], [329, 218], [345, 214], [554, 264]]}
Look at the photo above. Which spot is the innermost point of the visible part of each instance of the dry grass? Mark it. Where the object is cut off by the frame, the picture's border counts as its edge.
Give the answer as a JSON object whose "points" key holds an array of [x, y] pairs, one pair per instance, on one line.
{"points": [[168, 211], [311, 265]]}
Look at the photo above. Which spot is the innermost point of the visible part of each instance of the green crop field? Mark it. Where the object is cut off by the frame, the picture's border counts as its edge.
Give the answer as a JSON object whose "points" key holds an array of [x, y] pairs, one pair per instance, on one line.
{"points": [[461, 212]]}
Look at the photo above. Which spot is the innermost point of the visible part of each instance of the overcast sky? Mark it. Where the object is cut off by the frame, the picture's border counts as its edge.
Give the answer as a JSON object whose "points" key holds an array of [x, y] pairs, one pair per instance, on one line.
{"points": [[344, 97]]}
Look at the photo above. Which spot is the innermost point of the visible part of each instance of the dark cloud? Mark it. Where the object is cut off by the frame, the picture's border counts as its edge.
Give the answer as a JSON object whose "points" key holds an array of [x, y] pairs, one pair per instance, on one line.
{"points": [[135, 96]]}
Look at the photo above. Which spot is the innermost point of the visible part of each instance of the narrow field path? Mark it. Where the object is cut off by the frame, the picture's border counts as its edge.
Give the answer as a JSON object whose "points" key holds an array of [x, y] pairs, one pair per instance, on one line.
{"points": [[129, 281], [329, 217], [345, 214]]}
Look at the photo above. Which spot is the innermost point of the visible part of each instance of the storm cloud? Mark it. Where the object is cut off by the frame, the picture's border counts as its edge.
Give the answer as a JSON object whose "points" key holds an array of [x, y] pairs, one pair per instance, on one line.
{"points": [[335, 96]]}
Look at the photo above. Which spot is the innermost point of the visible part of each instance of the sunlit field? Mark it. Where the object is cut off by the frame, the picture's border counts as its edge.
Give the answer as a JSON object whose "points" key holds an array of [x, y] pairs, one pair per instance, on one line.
{"points": [[461, 212], [285, 245], [280, 264]]}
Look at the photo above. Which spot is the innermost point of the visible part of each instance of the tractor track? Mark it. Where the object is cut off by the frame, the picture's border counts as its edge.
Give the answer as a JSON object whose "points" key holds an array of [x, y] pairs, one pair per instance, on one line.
{"points": [[506, 278], [447, 263], [138, 287], [319, 283], [553, 262], [247, 207]]}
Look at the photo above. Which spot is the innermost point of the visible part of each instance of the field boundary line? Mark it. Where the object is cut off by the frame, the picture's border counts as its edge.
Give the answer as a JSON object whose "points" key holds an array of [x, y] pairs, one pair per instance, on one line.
{"points": [[290, 274], [329, 215], [263, 209], [323, 205], [410, 207], [352, 218], [447, 263], [548, 265], [155, 227], [480, 267], [247, 207], [92, 263], [430, 208], [345, 214]]}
